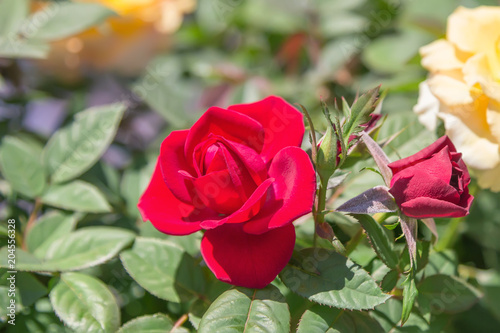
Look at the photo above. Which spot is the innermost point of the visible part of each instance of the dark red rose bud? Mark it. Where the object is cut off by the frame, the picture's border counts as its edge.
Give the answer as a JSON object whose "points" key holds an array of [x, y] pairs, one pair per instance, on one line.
{"points": [[432, 182]]}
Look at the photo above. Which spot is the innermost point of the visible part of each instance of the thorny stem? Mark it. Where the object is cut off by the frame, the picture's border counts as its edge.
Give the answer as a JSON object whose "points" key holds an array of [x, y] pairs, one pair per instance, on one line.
{"points": [[318, 214], [321, 202], [319, 217]]}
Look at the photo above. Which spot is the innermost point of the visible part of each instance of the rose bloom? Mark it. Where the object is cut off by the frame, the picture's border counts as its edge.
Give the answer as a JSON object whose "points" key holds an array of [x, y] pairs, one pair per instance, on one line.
{"points": [[463, 89], [240, 175], [124, 43], [432, 183]]}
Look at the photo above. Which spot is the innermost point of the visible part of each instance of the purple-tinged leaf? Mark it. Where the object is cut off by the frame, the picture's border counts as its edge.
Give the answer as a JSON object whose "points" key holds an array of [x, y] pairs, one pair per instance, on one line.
{"points": [[374, 200], [409, 226], [432, 227], [379, 156]]}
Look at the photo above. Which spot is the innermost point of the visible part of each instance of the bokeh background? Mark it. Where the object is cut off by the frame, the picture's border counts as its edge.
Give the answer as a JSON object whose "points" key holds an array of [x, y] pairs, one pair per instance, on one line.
{"points": [[171, 60]]}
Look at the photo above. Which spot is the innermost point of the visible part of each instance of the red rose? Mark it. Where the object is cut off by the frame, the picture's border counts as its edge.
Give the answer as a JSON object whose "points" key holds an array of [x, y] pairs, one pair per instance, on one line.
{"points": [[432, 183], [240, 175]]}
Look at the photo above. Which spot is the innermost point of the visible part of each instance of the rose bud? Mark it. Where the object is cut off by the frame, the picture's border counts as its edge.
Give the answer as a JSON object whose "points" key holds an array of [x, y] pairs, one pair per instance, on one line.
{"points": [[432, 182], [327, 157], [366, 127], [240, 175]]}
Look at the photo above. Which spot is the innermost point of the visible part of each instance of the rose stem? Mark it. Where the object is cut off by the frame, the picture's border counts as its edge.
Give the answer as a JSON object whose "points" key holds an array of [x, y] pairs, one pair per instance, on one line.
{"points": [[31, 220]]}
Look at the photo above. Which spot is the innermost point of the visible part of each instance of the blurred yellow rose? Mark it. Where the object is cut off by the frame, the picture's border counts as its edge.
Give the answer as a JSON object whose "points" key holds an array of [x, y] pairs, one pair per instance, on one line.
{"points": [[124, 43], [463, 89]]}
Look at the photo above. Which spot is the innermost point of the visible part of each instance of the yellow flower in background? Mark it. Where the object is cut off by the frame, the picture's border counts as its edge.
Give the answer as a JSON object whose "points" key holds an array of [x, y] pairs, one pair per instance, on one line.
{"points": [[463, 89], [124, 43]]}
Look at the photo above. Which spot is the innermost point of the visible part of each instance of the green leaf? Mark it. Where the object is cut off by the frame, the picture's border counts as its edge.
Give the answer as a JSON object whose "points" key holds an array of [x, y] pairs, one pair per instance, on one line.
{"points": [[166, 91], [21, 166], [198, 308], [321, 319], [196, 311], [483, 222], [190, 243], [3, 230], [331, 279], [360, 112], [389, 281], [247, 310], [83, 248], [86, 247], [412, 136], [48, 229], [73, 149], [422, 257], [16, 47], [85, 303], [163, 269], [30, 288], [12, 15], [157, 323], [78, 196], [42, 320], [60, 20], [134, 181], [24, 260], [392, 53], [445, 293], [388, 316], [489, 280], [410, 293], [5, 302], [444, 262], [379, 239]]}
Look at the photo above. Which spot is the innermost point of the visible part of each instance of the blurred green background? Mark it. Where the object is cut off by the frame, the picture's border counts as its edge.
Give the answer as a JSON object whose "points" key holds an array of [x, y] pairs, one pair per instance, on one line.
{"points": [[227, 52]]}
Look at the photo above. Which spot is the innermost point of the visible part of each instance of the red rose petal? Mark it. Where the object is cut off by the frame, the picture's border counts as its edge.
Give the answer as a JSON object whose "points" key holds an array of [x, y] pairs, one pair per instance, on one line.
{"points": [[239, 174], [294, 189], [208, 157], [165, 211], [241, 259], [231, 125], [217, 191], [413, 183], [249, 209], [427, 152], [438, 166], [283, 124], [429, 207], [252, 161], [172, 161], [457, 158]]}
